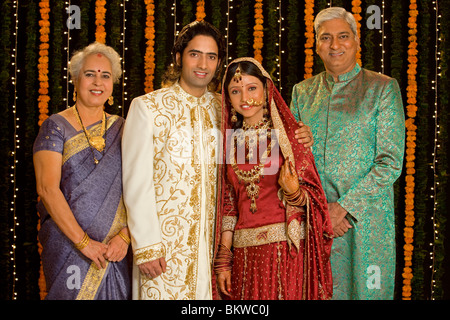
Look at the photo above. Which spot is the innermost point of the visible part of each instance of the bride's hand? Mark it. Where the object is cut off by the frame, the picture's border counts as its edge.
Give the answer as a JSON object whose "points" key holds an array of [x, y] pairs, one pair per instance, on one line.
{"points": [[288, 179]]}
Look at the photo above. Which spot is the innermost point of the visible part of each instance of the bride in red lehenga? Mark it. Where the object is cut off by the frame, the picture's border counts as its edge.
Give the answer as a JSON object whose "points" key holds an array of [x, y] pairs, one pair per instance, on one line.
{"points": [[274, 234]]}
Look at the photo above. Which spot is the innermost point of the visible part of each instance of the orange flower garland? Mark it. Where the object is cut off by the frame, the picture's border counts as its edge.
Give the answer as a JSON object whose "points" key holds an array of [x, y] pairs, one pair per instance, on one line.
{"points": [[100, 12], [43, 100], [44, 31], [258, 32], [356, 9], [200, 15], [411, 89], [309, 34], [41, 282], [149, 57]]}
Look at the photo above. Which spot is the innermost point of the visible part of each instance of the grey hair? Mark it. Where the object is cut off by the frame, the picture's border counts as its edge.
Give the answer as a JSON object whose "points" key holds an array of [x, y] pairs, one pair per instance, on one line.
{"points": [[78, 58], [335, 13]]}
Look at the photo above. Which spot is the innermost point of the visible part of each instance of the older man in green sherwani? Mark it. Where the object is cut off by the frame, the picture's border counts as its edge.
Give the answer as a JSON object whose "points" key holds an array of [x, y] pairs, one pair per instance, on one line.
{"points": [[358, 123]]}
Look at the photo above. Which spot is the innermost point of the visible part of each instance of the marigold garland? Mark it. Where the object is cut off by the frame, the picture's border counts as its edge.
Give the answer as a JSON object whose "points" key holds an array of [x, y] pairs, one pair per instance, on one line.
{"points": [[41, 281], [44, 31], [43, 100], [200, 14], [411, 128], [309, 34], [100, 12], [356, 9], [149, 57], [258, 31]]}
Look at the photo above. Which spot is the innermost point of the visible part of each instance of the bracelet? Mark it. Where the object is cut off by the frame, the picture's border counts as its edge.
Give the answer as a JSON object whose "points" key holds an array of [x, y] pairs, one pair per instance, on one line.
{"points": [[83, 243], [124, 237], [296, 198], [224, 259]]}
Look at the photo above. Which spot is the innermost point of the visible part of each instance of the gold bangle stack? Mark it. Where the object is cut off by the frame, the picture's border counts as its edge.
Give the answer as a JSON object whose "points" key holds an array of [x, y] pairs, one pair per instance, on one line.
{"points": [[296, 198], [124, 237], [224, 259], [83, 243]]}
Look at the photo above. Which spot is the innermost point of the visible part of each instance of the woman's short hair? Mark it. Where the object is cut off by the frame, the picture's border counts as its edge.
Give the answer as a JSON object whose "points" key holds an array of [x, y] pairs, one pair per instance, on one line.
{"points": [[78, 58], [335, 13], [188, 32]]}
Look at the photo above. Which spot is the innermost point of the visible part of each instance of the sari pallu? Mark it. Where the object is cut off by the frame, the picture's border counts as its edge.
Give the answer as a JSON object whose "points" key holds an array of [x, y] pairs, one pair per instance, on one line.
{"points": [[94, 194], [315, 247]]}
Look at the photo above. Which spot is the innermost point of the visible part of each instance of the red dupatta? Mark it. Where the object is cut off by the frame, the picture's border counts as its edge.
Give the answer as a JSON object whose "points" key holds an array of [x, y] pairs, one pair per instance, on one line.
{"points": [[316, 247]]}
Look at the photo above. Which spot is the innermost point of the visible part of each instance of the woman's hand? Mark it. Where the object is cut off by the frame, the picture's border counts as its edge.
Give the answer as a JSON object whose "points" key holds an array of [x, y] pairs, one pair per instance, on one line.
{"points": [[117, 249], [223, 263], [224, 282], [95, 251], [288, 179]]}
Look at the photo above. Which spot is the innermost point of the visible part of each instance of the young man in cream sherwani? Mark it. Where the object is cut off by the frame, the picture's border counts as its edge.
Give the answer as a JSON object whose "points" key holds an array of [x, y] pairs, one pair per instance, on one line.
{"points": [[170, 152]]}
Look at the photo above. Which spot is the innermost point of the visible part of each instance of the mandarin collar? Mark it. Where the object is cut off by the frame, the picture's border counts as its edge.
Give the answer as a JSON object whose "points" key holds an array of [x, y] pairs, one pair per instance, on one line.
{"points": [[189, 97], [345, 76]]}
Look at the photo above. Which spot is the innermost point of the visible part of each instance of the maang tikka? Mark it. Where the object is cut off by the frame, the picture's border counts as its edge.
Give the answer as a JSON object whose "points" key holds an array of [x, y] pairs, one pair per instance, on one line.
{"points": [[237, 74]]}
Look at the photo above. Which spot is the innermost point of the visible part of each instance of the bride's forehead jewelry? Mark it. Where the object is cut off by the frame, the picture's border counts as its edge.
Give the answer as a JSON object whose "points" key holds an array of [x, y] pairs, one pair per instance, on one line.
{"points": [[237, 75]]}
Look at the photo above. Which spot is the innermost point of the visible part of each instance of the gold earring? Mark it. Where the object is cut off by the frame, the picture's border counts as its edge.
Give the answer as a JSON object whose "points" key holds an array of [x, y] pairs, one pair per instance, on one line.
{"points": [[74, 96], [233, 115], [111, 100]]}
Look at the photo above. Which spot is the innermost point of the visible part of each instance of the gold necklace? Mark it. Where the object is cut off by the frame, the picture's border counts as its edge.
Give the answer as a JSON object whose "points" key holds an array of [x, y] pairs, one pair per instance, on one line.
{"points": [[250, 135], [97, 142], [251, 177], [265, 123]]}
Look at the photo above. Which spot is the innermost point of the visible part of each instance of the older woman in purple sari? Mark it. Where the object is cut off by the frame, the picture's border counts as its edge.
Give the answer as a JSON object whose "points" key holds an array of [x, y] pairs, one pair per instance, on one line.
{"points": [[77, 159]]}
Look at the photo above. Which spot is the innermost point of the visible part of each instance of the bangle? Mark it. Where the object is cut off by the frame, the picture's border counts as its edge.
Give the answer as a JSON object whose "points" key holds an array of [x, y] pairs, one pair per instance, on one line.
{"points": [[296, 198], [224, 260], [83, 243], [124, 237]]}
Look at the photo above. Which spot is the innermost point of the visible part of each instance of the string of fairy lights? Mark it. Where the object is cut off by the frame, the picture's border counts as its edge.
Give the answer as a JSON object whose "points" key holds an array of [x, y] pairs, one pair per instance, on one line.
{"points": [[176, 24], [124, 50], [436, 146], [228, 58], [16, 146], [383, 36], [67, 49], [278, 44]]}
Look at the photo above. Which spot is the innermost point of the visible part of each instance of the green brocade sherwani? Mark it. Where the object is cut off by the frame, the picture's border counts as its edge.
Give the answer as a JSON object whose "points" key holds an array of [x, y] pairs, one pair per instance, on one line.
{"points": [[358, 124]]}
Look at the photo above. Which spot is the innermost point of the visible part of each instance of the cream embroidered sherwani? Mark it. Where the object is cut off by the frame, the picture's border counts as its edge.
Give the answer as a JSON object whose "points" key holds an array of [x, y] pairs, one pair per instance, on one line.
{"points": [[170, 154]]}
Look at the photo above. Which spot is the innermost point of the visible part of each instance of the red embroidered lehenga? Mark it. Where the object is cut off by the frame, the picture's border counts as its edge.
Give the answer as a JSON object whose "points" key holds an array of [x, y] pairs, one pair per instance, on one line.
{"points": [[280, 251]]}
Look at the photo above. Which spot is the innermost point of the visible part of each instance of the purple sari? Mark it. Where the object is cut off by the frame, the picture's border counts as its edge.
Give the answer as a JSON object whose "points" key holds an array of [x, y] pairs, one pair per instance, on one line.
{"points": [[94, 194]]}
